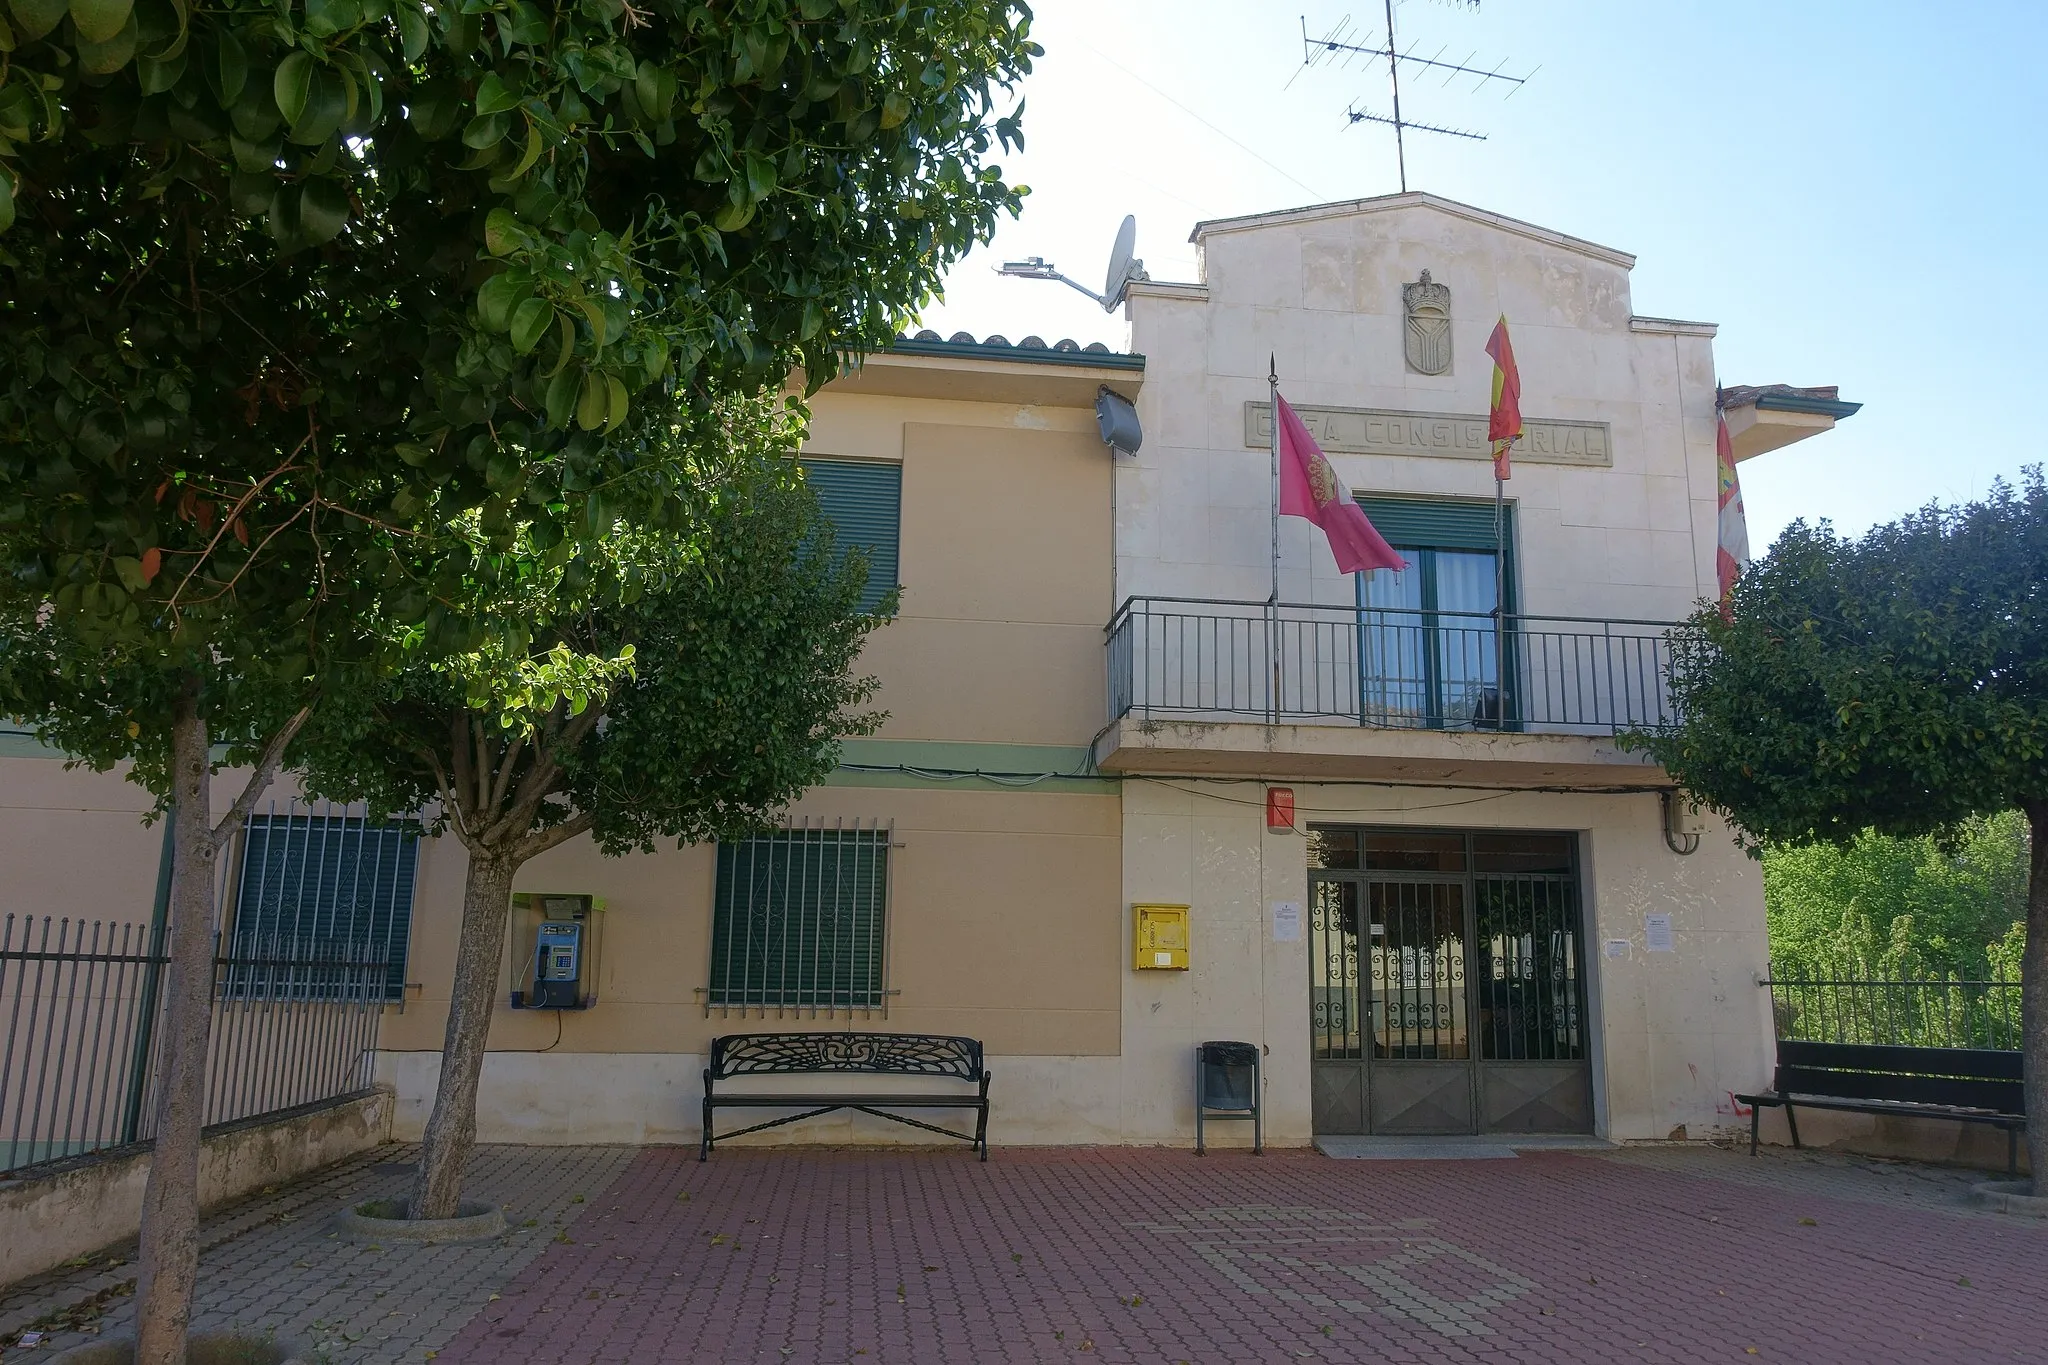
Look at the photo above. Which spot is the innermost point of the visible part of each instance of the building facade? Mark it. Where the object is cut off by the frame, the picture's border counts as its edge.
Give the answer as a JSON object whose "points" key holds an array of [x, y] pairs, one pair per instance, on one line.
{"points": [[1495, 932], [1414, 867]]}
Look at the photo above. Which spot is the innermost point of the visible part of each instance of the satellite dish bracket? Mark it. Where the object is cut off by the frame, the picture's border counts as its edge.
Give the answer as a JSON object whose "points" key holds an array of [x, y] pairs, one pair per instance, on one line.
{"points": [[1124, 269]]}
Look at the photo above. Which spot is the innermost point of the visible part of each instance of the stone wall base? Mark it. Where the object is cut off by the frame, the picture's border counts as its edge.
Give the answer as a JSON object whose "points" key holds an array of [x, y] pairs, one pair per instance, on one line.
{"points": [[54, 1212], [1940, 1141]]}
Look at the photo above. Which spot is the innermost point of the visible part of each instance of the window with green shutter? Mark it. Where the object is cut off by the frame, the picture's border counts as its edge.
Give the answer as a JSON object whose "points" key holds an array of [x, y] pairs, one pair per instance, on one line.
{"points": [[1427, 648], [863, 499], [797, 920], [315, 885]]}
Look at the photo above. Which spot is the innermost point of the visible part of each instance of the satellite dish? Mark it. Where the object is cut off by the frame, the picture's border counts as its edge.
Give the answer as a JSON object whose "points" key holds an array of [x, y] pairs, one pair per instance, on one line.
{"points": [[1123, 268]]}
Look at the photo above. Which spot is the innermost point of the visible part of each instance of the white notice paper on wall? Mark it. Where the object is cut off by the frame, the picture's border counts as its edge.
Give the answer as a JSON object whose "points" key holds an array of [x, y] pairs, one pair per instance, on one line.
{"points": [[1617, 947], [1657, 934], [1286, 921]]}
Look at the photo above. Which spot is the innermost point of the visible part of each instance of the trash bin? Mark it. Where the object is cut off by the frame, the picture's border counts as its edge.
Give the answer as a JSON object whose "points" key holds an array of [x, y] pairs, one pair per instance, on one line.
{"points": [[1227, 1087]]}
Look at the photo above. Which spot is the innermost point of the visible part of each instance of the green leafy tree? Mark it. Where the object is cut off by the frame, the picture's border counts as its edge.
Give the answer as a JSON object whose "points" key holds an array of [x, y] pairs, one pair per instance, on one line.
{"points": [[1899, 683], [294, 290], [691, 702], [1885, 906]]}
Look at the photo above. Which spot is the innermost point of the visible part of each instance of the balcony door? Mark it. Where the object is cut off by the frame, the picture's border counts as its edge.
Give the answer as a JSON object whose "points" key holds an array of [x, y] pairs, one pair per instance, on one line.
{"points": [[1446, 988], [1428, 655]]}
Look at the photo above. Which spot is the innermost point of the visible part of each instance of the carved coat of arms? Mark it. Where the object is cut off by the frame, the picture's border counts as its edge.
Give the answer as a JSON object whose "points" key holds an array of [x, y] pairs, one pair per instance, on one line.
{"points": [[1426, 339]]}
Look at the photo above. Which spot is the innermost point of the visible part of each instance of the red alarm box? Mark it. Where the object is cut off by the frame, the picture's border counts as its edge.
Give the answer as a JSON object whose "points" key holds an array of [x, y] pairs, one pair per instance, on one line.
{"points": [[1280, 809]]}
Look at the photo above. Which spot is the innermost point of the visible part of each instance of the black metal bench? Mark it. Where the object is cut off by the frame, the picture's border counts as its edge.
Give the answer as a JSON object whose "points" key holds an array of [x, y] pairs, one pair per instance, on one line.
{"points": [[1969, 1085], [888, 1054]]}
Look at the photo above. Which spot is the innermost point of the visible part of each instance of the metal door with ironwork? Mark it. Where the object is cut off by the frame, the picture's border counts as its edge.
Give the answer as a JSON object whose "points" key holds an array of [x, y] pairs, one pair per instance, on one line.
{"points": [[1446, 993]]}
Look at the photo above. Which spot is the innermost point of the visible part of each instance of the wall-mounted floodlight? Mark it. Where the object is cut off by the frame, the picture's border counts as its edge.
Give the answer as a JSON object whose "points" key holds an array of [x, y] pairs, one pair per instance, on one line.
{"points": [[1118, 422], [1124, 269]]}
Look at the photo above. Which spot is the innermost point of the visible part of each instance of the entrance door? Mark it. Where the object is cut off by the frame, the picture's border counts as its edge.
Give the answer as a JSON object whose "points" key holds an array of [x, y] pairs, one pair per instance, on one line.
{"points": [[1445, 991]]}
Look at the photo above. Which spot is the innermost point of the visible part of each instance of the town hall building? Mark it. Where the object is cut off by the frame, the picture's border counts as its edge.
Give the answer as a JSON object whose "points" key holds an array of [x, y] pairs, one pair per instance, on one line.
{"points": [[1128, 799]]}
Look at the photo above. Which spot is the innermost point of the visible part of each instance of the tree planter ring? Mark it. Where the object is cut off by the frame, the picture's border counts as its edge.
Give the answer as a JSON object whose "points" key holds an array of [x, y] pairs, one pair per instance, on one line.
{"points": [[201, 1348], [384, 1220], [2010, 1196]]}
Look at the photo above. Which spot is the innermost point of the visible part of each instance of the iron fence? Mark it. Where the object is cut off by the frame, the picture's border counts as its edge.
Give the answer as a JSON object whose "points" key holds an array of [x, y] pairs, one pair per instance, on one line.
{"points": [[1937, 1011], [294, 1021], [1387, 669]]}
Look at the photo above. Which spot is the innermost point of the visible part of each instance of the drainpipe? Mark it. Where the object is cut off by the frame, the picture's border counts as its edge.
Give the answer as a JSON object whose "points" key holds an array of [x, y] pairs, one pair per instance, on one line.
{"points": [[152, 971]]}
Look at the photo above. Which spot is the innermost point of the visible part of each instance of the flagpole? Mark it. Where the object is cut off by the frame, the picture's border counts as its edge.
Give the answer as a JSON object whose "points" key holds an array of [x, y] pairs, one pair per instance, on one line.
{"points": [[1500, 604], [1503, 428], [1273, 601]]}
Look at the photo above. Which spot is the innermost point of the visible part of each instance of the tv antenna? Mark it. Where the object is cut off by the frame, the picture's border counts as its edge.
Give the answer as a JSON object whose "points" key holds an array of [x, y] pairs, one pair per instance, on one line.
{"points": [[1124, 268], [1344, 44]]}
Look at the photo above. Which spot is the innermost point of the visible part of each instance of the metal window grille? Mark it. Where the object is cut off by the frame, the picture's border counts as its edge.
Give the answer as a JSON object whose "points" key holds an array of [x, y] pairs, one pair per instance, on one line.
{"points": [[799, 921], [80, 1046], [320, 875], [1529, 984], [1935, 1011]]}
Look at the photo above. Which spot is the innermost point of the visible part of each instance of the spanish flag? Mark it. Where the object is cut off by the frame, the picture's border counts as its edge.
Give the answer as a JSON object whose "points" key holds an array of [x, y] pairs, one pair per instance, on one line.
{"points": [[1731, 550], [1504, 422]]}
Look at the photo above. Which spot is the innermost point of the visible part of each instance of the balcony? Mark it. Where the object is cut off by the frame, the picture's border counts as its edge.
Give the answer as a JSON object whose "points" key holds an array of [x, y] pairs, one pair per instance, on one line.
{"points": [[1193, 681]]}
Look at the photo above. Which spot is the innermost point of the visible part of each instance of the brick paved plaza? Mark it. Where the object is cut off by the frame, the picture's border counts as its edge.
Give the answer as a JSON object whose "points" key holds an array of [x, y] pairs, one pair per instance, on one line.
{"points": [[1669, 1254]]}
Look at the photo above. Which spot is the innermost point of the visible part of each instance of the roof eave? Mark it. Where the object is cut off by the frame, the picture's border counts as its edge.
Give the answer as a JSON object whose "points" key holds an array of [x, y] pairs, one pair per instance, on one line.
{"points": [[1022, 355], [1819, 407]]}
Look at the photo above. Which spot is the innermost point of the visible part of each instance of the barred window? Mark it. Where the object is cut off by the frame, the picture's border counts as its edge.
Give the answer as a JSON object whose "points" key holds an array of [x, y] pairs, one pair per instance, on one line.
{"points": [[321, 894], [797, 920]]}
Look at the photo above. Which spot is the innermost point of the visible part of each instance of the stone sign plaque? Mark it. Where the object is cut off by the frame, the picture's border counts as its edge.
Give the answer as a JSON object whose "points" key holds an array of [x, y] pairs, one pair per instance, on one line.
{"points": [[1378, 431]]}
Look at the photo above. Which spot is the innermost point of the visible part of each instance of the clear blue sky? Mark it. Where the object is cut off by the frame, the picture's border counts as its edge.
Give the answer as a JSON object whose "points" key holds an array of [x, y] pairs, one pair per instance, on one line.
{"points": [[1854, 192]]}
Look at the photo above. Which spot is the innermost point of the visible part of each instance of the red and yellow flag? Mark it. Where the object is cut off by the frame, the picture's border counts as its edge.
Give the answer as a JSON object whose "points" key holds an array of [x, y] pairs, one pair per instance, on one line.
{"points": [[1731, 550], [1504, 421]]}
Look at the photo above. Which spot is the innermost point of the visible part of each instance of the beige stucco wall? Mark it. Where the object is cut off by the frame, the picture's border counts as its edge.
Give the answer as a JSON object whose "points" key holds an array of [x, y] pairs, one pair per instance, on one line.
{"points": [[72, 842], [1001, 910], [1676, 1032], [1003, 904], [1002, 925], [1004, 559], [1003, 913]]}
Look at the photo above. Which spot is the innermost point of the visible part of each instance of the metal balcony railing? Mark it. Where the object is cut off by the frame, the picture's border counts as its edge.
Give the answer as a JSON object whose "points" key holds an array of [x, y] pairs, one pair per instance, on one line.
{"points": [[1297, 663]]}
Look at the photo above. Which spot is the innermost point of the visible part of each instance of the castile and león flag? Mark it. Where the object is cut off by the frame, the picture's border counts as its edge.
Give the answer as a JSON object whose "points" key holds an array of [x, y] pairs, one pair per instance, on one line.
{"points": [[1310, 489]]}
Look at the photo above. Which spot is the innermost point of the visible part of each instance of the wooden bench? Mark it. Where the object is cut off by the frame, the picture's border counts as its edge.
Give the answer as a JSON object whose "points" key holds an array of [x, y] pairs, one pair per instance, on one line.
{"points": [[1968, 1085], [935, 1056]]}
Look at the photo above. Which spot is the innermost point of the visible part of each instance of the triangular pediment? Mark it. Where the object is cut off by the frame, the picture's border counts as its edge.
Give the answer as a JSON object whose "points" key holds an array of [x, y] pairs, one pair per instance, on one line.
{"points": [[1389, 203]]}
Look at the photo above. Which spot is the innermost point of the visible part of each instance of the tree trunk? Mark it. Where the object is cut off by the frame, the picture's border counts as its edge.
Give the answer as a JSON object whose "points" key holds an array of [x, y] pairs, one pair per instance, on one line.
{"points": [[169, 1262], [2034, 998], [451, 1130]]}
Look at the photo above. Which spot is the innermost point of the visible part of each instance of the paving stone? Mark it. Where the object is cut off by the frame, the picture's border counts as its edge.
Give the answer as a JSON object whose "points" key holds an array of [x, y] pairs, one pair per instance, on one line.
{"points": [[273, 1261], [1666, 1254]]}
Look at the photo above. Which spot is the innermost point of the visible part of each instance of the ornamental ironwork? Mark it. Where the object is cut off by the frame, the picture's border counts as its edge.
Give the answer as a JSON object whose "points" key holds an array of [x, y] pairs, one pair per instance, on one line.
{"points": [[909, 1054]]}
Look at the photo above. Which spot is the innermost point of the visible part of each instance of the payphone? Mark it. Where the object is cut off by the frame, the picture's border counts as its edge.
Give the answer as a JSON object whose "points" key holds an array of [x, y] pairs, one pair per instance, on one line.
{"points": [[558, 961], [559, 936]]}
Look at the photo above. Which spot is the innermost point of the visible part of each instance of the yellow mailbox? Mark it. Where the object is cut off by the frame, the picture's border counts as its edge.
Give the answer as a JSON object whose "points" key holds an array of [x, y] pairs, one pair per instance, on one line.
{"points": [[1159, 938]]}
